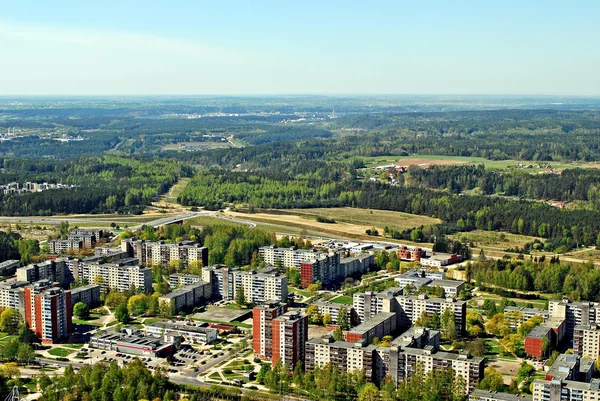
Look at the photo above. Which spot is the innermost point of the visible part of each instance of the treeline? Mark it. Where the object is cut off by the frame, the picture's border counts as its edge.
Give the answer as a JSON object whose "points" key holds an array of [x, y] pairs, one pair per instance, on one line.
{"points": [[569, 185], [578, 282], [563, 229], [13, 246], [103, 185]]}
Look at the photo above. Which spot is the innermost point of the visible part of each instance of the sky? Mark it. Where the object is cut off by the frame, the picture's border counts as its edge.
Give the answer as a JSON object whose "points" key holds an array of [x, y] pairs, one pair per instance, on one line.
{"points": [[197, 47]]}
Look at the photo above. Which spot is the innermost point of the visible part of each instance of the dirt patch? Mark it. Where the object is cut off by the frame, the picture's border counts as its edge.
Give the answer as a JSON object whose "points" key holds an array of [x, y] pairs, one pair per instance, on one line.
{"points": [[316, 331]]}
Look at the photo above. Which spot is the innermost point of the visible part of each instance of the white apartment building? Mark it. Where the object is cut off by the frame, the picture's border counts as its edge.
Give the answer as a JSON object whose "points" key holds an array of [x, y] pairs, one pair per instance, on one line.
{"points": [[586, 341], [258, 287]]}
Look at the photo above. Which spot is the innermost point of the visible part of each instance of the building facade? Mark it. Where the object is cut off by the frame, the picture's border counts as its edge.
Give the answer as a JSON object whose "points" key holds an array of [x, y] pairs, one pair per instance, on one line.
{"points": [[258, 287], [262, 327], [161, 253], [290, 333], [48, 311], [186, 297]]}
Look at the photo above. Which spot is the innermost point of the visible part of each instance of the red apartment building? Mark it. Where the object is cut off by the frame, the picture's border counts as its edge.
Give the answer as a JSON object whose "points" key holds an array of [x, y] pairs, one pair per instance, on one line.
{"points": [[262, 327], [48, 311]]}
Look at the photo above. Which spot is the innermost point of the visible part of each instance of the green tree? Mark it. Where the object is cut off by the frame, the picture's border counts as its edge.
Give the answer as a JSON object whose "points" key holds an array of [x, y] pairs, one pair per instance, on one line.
{"points": [[368, 392], [81, 310], [10, 320], [240, 297], [122, 314]]}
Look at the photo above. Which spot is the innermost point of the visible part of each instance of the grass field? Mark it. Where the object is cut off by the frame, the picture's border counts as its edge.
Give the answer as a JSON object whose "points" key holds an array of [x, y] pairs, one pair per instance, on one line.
{"points": [[350, 222], [208, 221], [343, 299], [429, 160], [367, 217], [197, 145], [492, 240], [60, 352]]}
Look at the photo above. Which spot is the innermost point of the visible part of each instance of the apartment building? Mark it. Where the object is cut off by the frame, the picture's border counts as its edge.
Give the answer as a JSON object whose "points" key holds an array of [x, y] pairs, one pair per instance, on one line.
{"points": [[347, 356], [355, 265], [186, 297], [412, 307], [60, 246], [9, 266], [368, 304], [258, 287], [116, 276], [568, 379], [571, 367], [180, 279], [48, 311], [333, 310], [313, 265], [538, 342], [574, 313], [440, 260], [381, 325], [262, 327], [518, 315], [586, 341], [451, 287], [88, 238], [53, 270], [290, 333], [88, 294], [161, 253], [12, 295], [566, 390], [419, 347]]}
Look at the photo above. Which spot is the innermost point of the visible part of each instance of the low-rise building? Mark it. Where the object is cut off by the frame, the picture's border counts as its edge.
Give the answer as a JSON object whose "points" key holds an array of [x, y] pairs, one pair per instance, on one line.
{"points": [[190, 332], [412, 254], [131, 341], [439, 260], [412, 278], [538, 342], [571, 367]]}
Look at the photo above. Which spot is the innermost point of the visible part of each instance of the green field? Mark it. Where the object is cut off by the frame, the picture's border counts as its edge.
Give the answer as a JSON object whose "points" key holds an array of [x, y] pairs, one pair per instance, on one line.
{"points": [[367, 217], [427, 160], [60, 352], [342, 299]]}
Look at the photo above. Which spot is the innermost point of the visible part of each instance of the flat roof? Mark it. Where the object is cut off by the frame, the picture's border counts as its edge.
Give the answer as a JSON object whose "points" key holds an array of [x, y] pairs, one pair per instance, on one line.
{"points": [[183, 327], [447, 283], [375, 320]]}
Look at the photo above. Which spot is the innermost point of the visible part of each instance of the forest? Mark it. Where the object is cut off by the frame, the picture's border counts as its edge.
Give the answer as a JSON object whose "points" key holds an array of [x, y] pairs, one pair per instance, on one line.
{"points": [[102, 185]]}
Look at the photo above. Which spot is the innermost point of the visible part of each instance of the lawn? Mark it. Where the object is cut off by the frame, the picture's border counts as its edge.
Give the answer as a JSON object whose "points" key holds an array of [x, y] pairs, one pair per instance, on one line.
{"points": [[208, 221], [86, 323], [295, 290], [6, 338], [342, 299], [60, 352]]}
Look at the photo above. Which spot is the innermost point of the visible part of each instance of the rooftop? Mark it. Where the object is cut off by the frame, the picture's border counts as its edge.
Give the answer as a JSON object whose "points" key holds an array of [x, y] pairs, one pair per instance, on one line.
{"points": [[447, 283], [375, 320]]}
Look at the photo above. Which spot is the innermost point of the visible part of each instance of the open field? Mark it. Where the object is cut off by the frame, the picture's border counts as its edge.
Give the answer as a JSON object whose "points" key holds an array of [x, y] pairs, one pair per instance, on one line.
{"points": [[366, 217], [430, 160], [60, 352], [350, 222], [192, 146], [493, 240], [342, 299]]}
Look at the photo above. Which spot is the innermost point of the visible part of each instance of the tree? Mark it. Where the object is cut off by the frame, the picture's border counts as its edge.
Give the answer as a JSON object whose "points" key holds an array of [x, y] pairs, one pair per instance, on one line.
{"points": [[26, 353], [326, 319], [27, 336], [314, 287], [492, 380], [298, 377], [338, 335], [11, 370], [343, 318], [81, 310], [262, 373], [240, 297], [122, 314], [368, 392], [10, 320], [114, 299], [137, 305]]}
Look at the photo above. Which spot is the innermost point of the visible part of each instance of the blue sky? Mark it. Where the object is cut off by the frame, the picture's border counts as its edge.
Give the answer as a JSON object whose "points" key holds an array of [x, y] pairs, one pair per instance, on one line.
{"points": [[284, 47]]}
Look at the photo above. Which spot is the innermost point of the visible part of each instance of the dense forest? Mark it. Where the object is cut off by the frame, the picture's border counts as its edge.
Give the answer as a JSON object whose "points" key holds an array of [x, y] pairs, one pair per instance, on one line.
{"points": [[578, 282], [102, 184]]}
